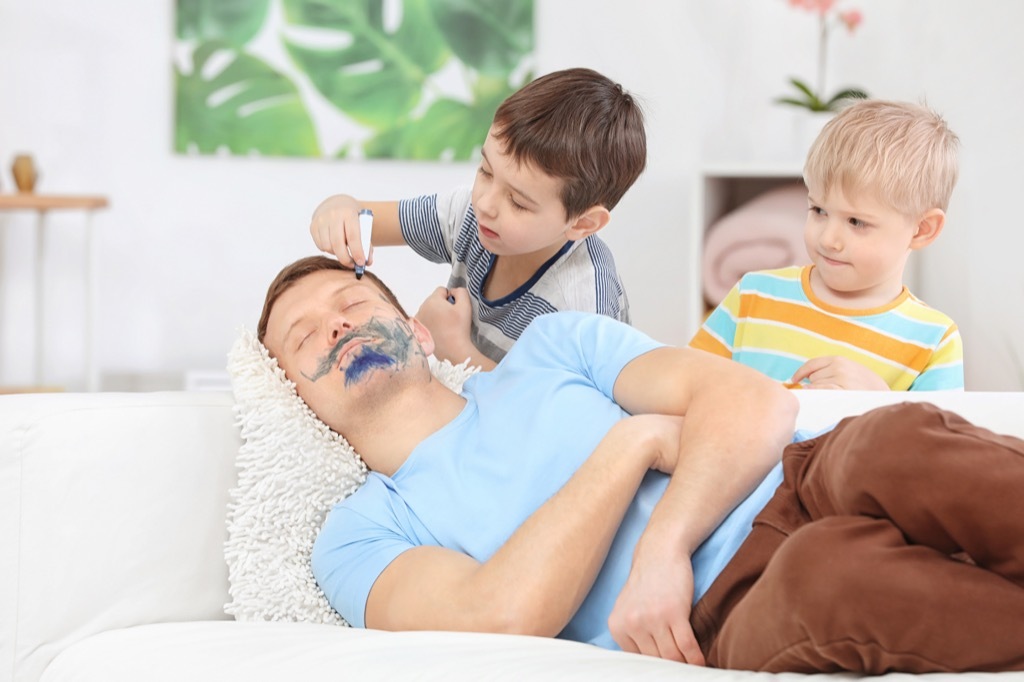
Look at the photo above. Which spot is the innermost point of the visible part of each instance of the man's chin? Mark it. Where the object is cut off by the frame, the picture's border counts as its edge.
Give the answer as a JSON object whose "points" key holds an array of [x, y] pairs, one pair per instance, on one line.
{"points": [[365, 365]]}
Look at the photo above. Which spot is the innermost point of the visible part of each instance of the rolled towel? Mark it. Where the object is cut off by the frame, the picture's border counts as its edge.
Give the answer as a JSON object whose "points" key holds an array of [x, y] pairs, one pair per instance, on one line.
{"points": [[761, 234]]}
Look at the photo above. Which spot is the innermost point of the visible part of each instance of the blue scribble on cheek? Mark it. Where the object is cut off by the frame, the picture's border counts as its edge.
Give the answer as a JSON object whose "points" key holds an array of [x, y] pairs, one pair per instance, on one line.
{"points": [[367, 360]]}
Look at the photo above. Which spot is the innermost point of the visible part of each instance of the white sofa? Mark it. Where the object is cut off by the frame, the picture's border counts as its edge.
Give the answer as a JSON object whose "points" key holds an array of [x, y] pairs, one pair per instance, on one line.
{"points": [[112, 526]]}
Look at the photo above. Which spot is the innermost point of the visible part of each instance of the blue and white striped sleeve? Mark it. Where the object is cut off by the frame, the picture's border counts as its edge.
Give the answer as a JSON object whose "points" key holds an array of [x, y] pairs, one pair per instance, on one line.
{"points": [[421, 228]]}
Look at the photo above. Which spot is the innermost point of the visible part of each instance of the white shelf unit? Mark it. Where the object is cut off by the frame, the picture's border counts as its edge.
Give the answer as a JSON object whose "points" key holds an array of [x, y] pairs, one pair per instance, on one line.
{"points": [[719, 190]]}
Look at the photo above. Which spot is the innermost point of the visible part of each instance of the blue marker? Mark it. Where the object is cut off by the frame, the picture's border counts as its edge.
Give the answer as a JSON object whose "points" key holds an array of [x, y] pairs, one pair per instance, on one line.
{"points": [[365, 235]]}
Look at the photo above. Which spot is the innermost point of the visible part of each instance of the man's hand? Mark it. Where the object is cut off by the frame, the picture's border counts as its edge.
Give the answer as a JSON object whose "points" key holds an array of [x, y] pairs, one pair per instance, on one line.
{"points": [[662, 434], [835, 372], [449, 324], [652, 613]]}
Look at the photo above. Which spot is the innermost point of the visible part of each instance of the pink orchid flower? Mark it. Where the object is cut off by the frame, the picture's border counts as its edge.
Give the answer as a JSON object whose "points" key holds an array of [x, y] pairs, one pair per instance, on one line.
{"points": [[852, 18], [820, 7], [813, 96]]}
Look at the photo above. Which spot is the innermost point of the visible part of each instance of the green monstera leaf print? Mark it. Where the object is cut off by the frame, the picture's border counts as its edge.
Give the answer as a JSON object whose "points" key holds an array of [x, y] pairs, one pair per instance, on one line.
{"points": [[382, 71], [449, 130], [492, 37], [231, 21], [245, 106], [376, 75], [416, 79]]}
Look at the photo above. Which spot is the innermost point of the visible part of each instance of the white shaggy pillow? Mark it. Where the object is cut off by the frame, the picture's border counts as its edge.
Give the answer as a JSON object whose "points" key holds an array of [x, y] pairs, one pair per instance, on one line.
{"points": [[291, 470]]}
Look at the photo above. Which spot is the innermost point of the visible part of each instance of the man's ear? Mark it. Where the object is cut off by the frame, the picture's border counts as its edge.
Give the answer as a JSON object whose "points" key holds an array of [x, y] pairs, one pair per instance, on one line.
{"points": [[422, 335], [589, 222], [929, 226]]}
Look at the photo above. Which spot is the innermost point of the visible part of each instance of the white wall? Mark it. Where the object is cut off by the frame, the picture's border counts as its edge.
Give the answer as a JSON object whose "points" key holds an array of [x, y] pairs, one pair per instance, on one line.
{"points": [[190, 244]]}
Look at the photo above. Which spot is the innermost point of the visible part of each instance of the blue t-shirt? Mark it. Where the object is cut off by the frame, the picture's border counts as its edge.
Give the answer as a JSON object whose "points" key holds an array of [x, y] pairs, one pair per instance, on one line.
{"points": [[527, 426]]}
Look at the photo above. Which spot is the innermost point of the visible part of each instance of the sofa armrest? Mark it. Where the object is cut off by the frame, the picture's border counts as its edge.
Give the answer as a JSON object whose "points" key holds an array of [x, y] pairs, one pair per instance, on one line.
{"points": [[112, 513], [998, 411]]}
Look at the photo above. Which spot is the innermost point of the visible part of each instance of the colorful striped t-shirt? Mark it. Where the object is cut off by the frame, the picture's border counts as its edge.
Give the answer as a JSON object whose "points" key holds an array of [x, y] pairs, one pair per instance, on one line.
{"points": [[772, 321]]}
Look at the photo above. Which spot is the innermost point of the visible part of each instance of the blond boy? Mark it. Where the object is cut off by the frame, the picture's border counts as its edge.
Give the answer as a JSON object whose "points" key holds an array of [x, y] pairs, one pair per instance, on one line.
{"points": [[559, 155], [879, 178]]}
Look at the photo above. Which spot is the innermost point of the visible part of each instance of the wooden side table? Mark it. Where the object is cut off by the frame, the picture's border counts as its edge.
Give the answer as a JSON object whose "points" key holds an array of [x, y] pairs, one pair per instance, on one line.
{"points": [[43, 204]]}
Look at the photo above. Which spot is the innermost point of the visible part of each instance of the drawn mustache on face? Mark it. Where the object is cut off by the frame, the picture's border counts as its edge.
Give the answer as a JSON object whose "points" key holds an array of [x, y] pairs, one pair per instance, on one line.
{"points": [[388, 343]]}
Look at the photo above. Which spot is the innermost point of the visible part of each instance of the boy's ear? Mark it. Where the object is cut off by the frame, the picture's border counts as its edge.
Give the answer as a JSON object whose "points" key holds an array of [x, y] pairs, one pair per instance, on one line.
{"points": [[929, 226], [592, 220]]}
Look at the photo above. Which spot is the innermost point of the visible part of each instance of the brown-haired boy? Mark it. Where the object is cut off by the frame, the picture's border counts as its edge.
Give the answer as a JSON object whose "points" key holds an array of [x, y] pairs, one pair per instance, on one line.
{"points": [[560, 154]]}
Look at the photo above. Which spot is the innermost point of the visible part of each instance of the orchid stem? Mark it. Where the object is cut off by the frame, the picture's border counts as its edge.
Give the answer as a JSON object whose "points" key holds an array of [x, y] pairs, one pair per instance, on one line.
{"points": [[822, 54]]}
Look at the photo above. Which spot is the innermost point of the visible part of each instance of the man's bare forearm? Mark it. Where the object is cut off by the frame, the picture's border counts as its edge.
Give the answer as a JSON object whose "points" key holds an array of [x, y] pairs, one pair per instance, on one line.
{"points": [[735, 425], [734, 433]]}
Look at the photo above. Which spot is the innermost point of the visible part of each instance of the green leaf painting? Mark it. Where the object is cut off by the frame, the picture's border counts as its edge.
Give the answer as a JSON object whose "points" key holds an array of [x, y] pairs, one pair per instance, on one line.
{"points": [[381, 79], [232, 21], [244, 107], [492, 37], [376, 76]]}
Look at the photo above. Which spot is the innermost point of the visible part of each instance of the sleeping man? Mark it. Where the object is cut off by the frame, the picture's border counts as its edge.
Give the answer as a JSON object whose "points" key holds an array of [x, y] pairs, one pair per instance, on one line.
{"points": [[566, 494]]}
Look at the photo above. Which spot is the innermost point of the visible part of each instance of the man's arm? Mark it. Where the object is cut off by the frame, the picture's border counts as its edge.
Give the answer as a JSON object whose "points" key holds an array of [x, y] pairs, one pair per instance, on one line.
{"points": [[537, 580], [737, 423]]}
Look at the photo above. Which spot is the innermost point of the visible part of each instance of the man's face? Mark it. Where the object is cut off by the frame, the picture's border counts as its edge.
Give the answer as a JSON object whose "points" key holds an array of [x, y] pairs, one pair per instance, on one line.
{"points": [[342, 342]]}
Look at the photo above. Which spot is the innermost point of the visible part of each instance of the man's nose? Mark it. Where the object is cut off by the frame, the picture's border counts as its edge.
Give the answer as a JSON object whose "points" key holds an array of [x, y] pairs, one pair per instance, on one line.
{"points": [[338, 326]]}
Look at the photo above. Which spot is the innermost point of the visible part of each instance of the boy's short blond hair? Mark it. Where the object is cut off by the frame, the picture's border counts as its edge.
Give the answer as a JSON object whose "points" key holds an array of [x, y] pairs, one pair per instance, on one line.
{"points": [[903, 155]]}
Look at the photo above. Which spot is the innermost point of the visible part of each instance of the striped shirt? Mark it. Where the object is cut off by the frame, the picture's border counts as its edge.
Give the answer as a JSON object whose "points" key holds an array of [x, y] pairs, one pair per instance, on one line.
{"points": [[581, 276], [772, 321]]}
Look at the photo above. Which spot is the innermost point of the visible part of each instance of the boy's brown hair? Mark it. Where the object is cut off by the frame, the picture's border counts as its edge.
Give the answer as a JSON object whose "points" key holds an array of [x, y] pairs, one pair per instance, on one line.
{"points": [[291, 274], [902, 154], [580, 127]]}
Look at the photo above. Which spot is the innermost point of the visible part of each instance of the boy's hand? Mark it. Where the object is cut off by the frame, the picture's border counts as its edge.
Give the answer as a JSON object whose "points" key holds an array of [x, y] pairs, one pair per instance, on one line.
{"points": [[335, 229], [449, 323], [835, 372]]}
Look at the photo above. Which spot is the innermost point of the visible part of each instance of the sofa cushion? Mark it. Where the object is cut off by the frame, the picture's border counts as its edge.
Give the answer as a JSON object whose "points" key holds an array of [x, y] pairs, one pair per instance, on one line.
{"points": [[255, 652], [291, 470], [111, 515], [305, 651]]}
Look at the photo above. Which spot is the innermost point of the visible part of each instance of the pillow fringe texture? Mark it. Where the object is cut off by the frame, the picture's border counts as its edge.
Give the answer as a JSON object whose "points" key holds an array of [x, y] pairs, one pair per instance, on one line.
{"points": [[292, 468]]}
